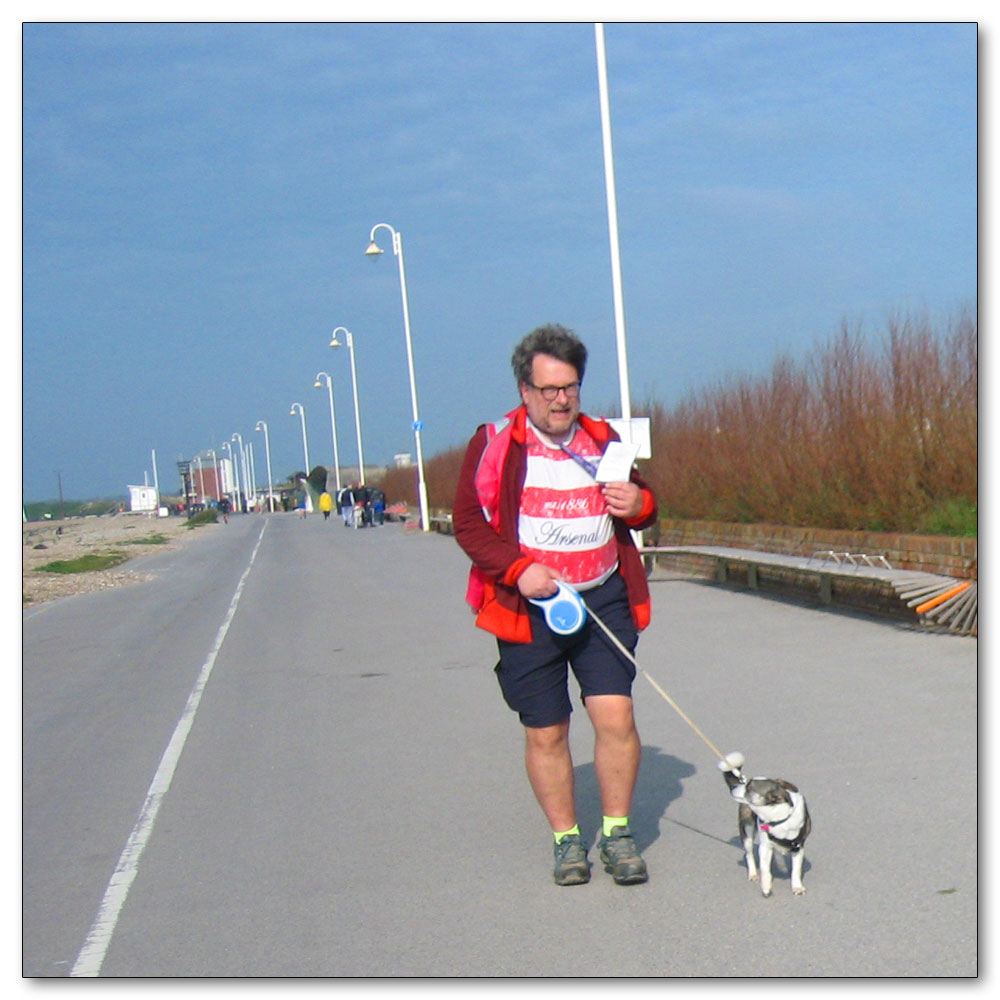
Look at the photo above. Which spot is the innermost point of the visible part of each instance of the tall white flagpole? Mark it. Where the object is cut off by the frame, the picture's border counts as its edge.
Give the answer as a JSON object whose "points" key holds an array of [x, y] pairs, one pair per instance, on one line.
{"points": [[616, 264]]}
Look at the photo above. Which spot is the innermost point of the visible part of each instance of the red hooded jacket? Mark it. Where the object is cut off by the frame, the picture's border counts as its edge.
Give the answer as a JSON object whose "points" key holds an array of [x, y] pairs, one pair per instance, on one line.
{"points": [[485, 519]]}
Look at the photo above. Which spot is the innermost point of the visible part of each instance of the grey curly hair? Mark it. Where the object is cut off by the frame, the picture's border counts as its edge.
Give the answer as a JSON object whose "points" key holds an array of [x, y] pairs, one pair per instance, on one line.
{"points": [[554, 340]]}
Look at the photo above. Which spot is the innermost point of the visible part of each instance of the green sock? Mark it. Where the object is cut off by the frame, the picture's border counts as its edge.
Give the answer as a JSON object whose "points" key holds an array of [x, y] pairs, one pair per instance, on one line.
{"points": [[610, 822], [565, 833]]}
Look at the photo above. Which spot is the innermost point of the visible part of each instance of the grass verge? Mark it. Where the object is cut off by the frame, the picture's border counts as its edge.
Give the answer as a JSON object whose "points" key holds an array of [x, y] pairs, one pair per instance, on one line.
{"points": [[148, 540], [85, 564]]}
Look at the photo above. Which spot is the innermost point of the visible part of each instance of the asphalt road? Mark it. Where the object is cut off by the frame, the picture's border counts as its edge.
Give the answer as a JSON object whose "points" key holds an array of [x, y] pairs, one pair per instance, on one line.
{"points": [[292, 745]]}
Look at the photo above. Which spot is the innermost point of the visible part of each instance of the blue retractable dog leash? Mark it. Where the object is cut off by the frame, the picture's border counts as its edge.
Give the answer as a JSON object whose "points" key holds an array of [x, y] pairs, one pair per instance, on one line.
{"points": [[565, 611]]}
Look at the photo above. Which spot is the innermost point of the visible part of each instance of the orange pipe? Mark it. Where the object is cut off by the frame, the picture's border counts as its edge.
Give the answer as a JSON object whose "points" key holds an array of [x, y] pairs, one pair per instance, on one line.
{"points": [[941, 598]]}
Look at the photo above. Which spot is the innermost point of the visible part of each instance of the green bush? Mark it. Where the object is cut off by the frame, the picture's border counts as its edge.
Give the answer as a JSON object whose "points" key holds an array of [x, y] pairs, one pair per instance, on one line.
{"points": [[957, 518], [85, 564], [208, 516], [148, 540]]}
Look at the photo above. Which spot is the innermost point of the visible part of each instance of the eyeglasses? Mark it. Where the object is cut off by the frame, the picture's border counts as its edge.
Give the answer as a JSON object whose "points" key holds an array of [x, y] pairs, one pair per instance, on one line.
{"points": [[550, 392]]}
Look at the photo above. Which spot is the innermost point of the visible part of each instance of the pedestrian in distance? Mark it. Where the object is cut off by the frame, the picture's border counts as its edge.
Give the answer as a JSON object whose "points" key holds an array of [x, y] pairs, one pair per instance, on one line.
{"points": [[360, 515], [325, 504], [378, 506], [344, 502], [529, 514]]}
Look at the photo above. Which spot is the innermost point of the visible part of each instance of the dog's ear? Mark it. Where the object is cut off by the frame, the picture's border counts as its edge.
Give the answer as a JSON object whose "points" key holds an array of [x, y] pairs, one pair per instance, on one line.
{"points": [[787, 784]]}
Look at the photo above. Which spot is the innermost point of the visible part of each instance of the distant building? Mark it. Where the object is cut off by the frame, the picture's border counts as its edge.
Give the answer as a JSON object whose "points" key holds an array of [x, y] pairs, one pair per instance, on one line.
{"points": [[206, 479], [143, 498], [403, 461]]}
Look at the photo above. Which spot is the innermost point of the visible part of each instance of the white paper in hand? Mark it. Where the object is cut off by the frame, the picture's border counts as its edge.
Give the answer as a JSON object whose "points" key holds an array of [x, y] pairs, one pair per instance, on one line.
{"points": [[616, 462]]}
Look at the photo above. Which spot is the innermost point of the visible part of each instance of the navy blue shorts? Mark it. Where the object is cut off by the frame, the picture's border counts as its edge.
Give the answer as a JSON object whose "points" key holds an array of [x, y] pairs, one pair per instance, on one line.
{"points": [[533, 675]]}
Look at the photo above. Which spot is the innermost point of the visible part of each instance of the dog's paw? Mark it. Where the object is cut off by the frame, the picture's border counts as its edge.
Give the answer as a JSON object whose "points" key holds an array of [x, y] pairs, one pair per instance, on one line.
{"points": [[798, 890], [753, 877], [733, 761]]}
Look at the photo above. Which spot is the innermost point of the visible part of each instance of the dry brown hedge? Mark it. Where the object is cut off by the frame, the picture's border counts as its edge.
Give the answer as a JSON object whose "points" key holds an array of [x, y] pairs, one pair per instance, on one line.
{"points": [[857, 435]]}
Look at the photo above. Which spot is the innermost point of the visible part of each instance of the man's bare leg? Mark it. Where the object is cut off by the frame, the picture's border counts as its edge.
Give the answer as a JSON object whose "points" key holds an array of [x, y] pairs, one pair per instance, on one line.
{"points": [[617, 752], [549, 765]]}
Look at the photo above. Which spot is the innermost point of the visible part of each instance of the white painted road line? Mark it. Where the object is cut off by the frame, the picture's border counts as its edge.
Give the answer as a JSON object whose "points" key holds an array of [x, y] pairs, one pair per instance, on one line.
{"points": [[95, 948]]}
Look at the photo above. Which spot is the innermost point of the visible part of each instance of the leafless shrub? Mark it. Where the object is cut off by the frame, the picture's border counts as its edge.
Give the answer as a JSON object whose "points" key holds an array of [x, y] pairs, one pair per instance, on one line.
{"points": [[440, 475], [850, 438], [854, 436]]}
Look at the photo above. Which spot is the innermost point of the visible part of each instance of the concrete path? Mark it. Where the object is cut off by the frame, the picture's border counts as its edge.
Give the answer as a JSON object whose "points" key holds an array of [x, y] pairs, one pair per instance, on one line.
{"points": [[338, 788]]}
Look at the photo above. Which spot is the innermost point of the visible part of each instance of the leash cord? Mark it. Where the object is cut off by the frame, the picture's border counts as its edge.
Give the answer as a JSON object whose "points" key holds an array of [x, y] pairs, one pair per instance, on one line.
{"points": [[666, 697]]}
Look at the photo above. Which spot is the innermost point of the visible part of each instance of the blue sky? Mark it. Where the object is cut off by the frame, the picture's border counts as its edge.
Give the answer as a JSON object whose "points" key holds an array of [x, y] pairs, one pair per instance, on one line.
{"points": [[197, 199]]}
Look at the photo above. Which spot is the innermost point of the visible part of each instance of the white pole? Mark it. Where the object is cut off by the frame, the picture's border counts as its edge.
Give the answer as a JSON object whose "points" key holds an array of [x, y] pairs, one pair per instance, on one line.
{"points": [[253, 470], [349, 338], [218, 481], [616, 266], [357, 408], [245, 469], [397, 249], [234, 473], [267, 455], [238, 438], [417, 426], [305, 442], [333, 422]]}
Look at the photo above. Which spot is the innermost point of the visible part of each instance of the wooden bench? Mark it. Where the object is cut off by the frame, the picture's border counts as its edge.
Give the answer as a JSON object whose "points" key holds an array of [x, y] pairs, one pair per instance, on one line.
{"points": [[854, 580]]}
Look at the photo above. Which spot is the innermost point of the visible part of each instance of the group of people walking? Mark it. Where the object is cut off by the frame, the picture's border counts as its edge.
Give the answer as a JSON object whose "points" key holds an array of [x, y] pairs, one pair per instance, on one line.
{"points": [[357, 504]]}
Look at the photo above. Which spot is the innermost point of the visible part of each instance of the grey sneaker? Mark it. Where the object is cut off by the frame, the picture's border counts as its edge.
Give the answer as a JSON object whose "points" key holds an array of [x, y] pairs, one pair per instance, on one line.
{"points": [[572, 866], [621, 857]]}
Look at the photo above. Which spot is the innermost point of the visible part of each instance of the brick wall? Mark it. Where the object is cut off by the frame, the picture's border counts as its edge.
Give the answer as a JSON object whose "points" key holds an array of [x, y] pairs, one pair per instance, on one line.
{"points": [[957, 557]]}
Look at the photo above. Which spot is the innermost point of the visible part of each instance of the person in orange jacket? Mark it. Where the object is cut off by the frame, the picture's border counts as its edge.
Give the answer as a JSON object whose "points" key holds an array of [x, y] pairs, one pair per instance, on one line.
{"points": [[530, 513]]}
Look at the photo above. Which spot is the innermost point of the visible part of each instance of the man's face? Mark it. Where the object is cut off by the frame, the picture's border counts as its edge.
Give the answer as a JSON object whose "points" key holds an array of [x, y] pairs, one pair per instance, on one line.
{"points": [[555, 416]]}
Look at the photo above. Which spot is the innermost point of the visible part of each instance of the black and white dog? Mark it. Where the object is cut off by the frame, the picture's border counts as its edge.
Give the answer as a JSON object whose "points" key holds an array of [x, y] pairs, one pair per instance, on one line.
{"points": [[773, 813]]}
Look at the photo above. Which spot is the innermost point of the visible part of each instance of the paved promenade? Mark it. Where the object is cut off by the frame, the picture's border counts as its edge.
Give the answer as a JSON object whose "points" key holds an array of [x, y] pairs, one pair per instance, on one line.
{"points": [[291, 745]]}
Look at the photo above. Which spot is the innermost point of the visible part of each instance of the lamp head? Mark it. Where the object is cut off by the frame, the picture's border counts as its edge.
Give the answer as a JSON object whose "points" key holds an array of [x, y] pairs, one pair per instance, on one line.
{"points": [[317, 384], [374, 249]]}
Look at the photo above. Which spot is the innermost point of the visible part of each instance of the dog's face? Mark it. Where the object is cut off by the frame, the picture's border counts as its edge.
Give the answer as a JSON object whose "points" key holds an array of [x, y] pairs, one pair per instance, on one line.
{"points": [[769, 798]]}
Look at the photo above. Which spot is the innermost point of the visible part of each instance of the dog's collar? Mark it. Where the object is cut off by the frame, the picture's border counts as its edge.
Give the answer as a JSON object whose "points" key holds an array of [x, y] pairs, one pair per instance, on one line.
{"points": [[791, 845], [764, 825]]}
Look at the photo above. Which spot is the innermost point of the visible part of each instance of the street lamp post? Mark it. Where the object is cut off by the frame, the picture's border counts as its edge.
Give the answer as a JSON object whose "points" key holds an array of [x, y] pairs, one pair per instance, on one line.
{"points": [[397, 248], [333, 422], [218, 481], [305, 443], [253, 470], [236, 475], [348, 336], [243, 468], [267, 455]]}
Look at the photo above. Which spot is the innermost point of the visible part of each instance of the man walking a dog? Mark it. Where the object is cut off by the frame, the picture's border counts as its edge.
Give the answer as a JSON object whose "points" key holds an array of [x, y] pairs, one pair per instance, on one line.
{"points": [[529, 512]]}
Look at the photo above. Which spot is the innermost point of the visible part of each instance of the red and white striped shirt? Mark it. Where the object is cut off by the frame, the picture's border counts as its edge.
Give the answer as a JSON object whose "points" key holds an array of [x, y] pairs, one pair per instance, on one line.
{"points": [[564, 520]]}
